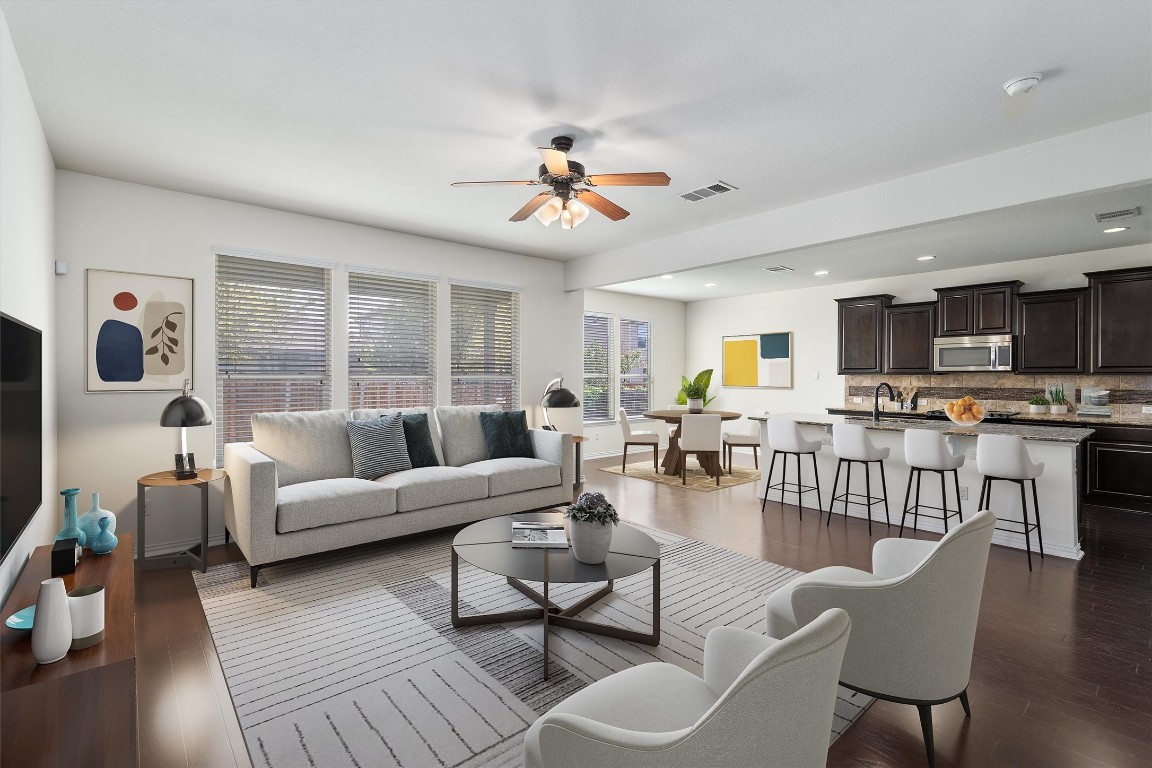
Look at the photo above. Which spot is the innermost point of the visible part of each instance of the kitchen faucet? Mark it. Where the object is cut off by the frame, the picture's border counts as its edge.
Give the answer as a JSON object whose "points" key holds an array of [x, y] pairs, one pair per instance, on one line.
{"points": [[876, 400]]}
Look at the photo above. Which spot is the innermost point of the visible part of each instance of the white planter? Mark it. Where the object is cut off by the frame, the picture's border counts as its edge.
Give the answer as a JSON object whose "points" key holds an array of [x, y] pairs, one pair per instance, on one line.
{"points": [[590, 541], [52, 629], [695, 405], [1037, 409], [1058, 410]]}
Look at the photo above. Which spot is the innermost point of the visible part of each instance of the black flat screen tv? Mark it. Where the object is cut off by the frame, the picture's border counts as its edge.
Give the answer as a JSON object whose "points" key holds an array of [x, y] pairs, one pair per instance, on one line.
{"points": [[21, 428]]}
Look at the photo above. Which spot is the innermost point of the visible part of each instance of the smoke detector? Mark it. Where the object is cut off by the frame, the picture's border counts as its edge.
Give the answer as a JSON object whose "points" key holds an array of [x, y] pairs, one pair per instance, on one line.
{"points": [[1021, 85]]}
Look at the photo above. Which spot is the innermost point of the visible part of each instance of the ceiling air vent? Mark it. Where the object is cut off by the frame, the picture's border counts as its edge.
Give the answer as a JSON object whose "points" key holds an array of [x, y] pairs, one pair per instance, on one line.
{"points": [[711, 190], [1127, 213], [778, 268]]}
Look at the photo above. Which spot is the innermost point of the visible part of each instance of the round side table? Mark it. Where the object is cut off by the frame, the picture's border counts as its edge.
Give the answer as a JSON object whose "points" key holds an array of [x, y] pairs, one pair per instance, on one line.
{"points": [[197, 555]]}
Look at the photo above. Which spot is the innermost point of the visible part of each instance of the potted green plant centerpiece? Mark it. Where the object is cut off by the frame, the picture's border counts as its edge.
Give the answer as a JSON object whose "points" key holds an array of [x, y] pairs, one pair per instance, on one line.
{"points": [[590, 529], [1059, 405], [1038, 404], [694, 392]]}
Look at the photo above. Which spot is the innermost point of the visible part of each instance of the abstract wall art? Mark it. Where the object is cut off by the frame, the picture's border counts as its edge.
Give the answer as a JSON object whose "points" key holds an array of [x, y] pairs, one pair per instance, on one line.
{"points": [[139, 331], [758, 360]]}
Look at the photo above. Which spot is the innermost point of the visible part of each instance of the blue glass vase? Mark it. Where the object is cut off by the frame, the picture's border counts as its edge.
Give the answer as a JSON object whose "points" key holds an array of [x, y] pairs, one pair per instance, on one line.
{"points": [[103, 542], [89, 521], [71, 528]]}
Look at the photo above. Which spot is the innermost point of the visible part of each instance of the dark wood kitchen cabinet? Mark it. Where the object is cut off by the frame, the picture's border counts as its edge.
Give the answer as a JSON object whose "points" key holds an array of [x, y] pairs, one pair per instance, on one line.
{"points": [[1118, 467], [1121, 326], [860, 324], [976, 310], [1052, 327], [908, 333]]}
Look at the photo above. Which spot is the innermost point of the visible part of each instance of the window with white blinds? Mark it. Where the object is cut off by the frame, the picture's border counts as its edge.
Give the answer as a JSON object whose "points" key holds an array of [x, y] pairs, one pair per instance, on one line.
{"points": [[635, 389], [597, 399], [273, 342], [485, 346], [391, 341]]}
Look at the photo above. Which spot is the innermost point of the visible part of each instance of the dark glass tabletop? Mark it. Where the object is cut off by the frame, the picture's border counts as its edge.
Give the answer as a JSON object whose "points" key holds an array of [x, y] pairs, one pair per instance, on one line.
{"points": [[488, 545]]}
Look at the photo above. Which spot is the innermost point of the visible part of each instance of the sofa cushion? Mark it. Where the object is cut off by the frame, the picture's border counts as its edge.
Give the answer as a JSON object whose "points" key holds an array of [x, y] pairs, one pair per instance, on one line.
{"points": [[513, 475], [461, 434], [378, 446], [306, 445], [506, 435], [418, 441], [328, 502], [433, 429], [434, 487]]}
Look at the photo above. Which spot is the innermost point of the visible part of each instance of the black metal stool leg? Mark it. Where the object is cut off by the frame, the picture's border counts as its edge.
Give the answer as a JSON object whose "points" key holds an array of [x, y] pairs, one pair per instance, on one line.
{"points": [[784, 478], [868, 492], [768, 482], [944, 501], [907, 494], [816, 477], [964, 703], [847, 489], [916, 508], [1036, 513], [884, 485], [926, 726], [800, 487], [1024, 512], [959, 506], [835, 482], [983, 491]]}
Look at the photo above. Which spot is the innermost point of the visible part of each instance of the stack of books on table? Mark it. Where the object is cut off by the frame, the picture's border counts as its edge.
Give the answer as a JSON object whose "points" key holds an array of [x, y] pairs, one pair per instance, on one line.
{"points": [[533, 534]]}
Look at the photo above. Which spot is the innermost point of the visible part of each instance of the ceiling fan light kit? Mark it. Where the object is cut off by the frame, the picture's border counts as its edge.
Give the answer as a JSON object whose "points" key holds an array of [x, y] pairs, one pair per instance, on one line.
{"points": [[564, 176]]}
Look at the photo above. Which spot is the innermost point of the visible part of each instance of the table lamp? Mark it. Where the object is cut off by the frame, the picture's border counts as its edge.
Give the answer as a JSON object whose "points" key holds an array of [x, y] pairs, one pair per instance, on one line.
{"points": [[557, 396], [186, 411]]}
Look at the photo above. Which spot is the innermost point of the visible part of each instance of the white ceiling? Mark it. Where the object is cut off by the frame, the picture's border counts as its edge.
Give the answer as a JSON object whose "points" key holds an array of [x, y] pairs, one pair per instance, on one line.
{"points": [[367, 111]]}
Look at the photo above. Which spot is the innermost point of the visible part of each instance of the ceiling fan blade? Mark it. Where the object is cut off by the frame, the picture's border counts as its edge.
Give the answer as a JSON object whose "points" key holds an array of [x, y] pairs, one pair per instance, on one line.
{"points": [[555, 161], [493, 183], [531, 206], [601, 204], [654, 179]]}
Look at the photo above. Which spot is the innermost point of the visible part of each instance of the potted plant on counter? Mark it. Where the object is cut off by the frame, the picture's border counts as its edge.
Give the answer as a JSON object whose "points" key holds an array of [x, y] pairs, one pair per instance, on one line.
{"points": [[592, 519], [1059, 405], [1038, 404]]}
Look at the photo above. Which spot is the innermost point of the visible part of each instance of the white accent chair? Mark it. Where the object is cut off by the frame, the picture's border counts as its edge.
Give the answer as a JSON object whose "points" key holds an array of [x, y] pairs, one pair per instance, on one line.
{"points": [[784, 437], [914, 617], [1004, 457], [700, 434], [762, 702], [926, 450], [646, 439], [744, 439], [851, 444]]}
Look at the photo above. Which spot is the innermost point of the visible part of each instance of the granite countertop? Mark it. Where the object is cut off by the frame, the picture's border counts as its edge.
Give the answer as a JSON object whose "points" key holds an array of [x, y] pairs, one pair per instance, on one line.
{"points": [[1115, 420], [893, 423]]}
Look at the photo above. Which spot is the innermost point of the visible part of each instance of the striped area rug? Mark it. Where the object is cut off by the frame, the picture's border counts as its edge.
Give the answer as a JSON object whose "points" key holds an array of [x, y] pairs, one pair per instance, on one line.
{"points": [[351, 659]]}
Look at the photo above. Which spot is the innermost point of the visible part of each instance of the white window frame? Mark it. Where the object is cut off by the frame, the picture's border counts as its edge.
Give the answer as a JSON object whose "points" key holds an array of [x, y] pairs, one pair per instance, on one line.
{"points": [[615, 377], [621, 376], [488, 371], [609, 382]]}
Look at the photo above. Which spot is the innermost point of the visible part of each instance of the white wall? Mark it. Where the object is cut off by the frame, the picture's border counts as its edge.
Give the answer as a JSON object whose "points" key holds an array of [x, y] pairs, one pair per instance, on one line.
{"points": [[26, 255], [666, 360], [811, 316], [107, 440]]}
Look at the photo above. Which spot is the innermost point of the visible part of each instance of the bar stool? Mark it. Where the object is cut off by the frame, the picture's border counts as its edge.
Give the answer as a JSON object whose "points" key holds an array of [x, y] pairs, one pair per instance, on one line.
{"points": [[927, 451], [784, 437], [1004, 457], [851, 444]]}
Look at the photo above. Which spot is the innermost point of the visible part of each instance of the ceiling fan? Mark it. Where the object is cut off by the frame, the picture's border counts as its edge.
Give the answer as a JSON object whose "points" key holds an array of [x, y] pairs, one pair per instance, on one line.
{"points": [[567, 201]]}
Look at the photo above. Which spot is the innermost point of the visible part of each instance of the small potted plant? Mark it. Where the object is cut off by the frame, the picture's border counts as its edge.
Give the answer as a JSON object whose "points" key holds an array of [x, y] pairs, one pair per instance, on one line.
{"points": [[590, 529], [1059, 405], [694, 391], [1038, 404]]}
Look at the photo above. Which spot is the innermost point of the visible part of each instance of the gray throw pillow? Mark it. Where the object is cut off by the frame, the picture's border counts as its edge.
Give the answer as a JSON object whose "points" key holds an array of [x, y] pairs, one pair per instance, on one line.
{"points": [[418, 438], [378, 446], [506, 435]]}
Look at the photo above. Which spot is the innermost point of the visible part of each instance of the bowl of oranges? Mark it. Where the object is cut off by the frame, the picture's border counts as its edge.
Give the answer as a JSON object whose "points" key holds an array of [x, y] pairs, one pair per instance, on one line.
{"points": [[965, 411]]}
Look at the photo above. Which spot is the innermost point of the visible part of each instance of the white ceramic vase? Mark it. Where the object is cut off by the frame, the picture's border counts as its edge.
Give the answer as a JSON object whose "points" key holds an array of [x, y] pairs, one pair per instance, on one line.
{"points": [[86, 607], [695, 405], [1058, 410], [1037, 409], [590, 541], [52, 628]]}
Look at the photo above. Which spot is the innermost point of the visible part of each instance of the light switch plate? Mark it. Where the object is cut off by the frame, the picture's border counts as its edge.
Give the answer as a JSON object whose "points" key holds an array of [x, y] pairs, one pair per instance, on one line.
{"points": [[1146, 409], [857, 399]]}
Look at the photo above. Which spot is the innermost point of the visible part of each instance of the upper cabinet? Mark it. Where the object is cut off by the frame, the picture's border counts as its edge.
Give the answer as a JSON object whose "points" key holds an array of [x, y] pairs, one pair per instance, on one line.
{"points": [[860, 329], [1121, 330], [1052, 327], [976, 310], [908, 332]]}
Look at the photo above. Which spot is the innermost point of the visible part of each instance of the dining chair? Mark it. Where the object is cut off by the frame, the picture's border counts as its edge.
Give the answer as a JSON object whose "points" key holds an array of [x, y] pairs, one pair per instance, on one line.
{"points": [[700, 434], [638, 438], [749, 437]]}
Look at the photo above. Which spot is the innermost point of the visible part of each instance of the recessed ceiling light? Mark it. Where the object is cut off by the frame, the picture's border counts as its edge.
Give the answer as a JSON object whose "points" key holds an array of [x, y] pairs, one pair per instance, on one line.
{"points": [[1115, 229], [667, 277], [820, 272], [925, 258], [709, 285]]}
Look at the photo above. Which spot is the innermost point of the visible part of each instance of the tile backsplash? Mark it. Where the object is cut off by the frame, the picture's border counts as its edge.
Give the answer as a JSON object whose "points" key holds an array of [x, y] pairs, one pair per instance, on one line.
{"points": [[1002, 391]]}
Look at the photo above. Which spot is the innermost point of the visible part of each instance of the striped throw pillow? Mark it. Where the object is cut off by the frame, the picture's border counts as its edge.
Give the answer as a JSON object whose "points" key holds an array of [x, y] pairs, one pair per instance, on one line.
{"points": [[378, 446]]}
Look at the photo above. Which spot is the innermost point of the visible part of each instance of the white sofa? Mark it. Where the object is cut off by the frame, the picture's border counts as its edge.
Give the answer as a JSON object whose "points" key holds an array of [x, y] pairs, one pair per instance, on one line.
{"points": [[291, 491]]}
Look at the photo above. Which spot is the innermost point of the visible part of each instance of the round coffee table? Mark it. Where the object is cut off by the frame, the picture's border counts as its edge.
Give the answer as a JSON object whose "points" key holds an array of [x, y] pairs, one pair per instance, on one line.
{"points": [[488, 546]]}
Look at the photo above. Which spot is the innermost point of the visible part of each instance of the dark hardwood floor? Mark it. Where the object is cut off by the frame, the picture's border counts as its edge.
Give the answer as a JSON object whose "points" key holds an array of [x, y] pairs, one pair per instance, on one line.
{"points": [[1061, 675]]}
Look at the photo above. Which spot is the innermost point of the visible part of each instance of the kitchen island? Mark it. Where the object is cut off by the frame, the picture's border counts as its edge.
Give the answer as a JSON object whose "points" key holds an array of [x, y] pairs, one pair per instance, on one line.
{"points": [[1055, 446]]}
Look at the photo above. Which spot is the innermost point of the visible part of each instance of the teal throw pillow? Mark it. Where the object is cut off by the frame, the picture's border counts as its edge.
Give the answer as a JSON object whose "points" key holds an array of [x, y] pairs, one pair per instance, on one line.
{"points": [[506, 434]]}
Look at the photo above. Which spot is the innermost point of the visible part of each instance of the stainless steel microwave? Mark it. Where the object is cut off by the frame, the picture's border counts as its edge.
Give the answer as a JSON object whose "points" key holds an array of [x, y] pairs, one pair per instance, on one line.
{"points": [[972, 353]]}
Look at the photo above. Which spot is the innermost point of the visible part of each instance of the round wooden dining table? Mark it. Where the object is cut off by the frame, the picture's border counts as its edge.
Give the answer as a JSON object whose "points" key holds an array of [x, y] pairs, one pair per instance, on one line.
{"points": [[674, 457]]}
